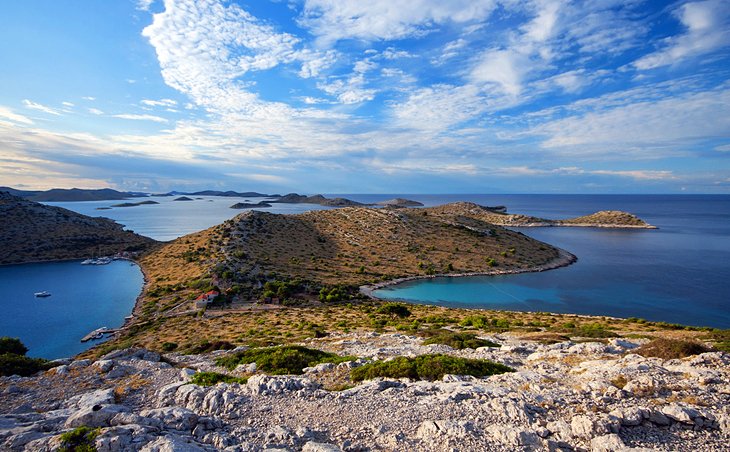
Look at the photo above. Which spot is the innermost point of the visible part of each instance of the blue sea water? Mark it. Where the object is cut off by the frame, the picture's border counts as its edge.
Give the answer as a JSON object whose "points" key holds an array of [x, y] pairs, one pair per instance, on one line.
{"points": [[83, 298], [678, 273], [171, 219]]}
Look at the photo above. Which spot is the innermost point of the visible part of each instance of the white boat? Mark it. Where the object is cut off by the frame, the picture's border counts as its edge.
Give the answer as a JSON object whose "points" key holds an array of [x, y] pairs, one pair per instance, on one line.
{"points": [[42, 294]]}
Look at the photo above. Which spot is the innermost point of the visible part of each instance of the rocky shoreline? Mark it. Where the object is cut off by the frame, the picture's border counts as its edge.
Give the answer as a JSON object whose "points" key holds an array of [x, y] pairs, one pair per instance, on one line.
{"points": [[564, 259], [568, 396]]}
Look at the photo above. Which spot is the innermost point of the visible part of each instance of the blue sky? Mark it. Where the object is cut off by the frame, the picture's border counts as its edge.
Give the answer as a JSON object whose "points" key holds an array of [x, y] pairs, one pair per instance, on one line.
{"points": [[378, 96]]}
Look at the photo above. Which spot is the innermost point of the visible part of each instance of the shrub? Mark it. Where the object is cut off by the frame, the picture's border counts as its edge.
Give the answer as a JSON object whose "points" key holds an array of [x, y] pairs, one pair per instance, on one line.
{"points": [[671, 348], [211, 378], [24, 366], [458, 340], [169, 346], [427, 367], [12, 345], [205, 347], [332, 294], [290, 359], [80, 439], [477, 321], [395, 310]]}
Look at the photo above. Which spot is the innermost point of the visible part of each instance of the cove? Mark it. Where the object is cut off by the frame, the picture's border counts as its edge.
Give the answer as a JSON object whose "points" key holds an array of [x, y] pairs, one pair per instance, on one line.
{"points": [[669, 275], [83, 298]]}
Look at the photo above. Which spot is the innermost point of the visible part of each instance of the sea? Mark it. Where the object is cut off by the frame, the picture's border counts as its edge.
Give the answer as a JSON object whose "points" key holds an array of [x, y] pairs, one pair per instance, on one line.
{"points": [[678, 273], [83, 298]]}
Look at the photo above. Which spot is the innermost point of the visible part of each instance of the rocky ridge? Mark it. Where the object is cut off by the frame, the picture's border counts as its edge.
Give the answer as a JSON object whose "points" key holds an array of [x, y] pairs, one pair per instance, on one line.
{"points": [[565, 396]]}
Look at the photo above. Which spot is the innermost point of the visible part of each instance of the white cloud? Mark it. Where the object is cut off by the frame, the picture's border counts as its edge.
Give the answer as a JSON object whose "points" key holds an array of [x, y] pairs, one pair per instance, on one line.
{"points": [[391, 53], [644, 128], [144, 5], [159, 103], [95, 111], [506, 68], [439, 107], [8, 114], [332, 20], [134, 117], [36, 106], [89, 98], [638, 174], [708, 29], [68, 104]]}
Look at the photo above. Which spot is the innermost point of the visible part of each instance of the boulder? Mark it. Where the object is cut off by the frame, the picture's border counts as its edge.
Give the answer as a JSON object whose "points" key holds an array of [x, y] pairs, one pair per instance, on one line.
{"points": [[171, 443], [312, 446], [607, 443], [514, 436], [173, 417], [95, 416]]}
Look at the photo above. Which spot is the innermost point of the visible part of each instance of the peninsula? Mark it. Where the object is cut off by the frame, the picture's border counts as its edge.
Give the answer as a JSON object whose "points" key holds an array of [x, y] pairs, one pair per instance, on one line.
{"points": [[32, 232]]}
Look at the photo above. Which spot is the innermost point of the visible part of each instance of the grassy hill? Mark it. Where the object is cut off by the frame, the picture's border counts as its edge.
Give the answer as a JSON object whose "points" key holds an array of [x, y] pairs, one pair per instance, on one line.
{"points": [[33, 232]]}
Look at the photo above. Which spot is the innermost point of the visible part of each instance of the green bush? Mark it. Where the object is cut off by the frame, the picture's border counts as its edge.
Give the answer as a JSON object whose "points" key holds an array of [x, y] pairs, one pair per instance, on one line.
{"points": [[24, 366], [459, 340], [283, 360], [80, 439], [666, 348], [12, 345], [476, 321], [169, 346], [427, 367], [211, 378], [332, 294], [395, 310], [206, 347]]}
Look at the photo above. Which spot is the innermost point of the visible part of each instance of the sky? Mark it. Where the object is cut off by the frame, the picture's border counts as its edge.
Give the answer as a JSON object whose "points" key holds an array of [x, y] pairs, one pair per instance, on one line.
{"points": [[377, 96]]}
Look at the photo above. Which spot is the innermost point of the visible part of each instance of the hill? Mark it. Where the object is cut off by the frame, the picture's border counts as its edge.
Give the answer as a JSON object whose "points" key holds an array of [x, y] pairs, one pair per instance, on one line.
{"points": [[33, 232], [294, 198], [497, 215], [72, 194]]}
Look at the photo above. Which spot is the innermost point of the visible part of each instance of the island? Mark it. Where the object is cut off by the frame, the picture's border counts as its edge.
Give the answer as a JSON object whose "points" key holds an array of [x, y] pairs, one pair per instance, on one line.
{"points": [[72, 194], [399, 202], [294, 198], [183, 198], [249, 205], [135, 204]]}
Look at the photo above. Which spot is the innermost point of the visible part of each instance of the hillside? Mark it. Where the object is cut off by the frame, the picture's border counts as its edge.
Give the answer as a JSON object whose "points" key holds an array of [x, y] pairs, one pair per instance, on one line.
{"points": [[33, 232], [72, 194]]}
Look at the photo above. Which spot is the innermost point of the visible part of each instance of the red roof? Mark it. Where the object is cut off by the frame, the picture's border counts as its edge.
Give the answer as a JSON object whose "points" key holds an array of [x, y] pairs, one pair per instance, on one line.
{"points": [[212, 293]]}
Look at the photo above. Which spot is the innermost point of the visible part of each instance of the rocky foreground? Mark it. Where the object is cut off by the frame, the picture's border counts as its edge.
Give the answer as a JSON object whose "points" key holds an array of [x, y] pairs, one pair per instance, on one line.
{"points": [[566, 396]]}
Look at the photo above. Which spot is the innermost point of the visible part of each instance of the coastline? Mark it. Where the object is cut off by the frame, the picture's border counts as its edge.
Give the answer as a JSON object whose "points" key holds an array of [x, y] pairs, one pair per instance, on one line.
{"points": [[564, 259]]}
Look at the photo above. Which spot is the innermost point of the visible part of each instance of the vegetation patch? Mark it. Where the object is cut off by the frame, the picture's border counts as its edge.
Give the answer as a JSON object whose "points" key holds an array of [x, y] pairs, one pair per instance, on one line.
{"points": [[394, 310], [206, 346], [458, 341], [212, 378], [428, 367], [666, 348], [14, 362], [80, 439], [592, 330], [283, 360]]}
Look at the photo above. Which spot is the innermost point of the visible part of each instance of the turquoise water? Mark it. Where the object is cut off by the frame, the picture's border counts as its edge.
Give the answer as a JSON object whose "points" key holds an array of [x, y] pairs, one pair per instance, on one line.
{"points": [[84, 297], [679, 273]]}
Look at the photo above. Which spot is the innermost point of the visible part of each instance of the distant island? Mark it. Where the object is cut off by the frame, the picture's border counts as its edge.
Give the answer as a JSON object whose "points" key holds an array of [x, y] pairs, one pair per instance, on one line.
{"points": [[183, 198], [135, 204], [71, 195], [248, 205], [294, 198]]}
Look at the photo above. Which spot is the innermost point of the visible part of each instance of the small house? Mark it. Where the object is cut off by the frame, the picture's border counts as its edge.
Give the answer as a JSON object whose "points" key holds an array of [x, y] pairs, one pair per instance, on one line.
{"points": [[203, 300]]}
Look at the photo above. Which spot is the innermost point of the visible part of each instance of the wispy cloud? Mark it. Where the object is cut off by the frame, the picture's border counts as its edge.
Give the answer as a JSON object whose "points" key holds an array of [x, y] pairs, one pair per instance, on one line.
{"points": [[159, 103], [8, 114], [707, 25], [136, 117], [39, 107]]}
